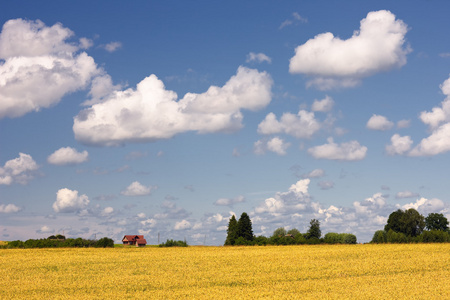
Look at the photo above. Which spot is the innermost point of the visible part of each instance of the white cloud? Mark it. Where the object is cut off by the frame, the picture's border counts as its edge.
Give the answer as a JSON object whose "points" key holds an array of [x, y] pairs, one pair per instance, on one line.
{"points": [[107, 211], [403, 123], [296, 18], [302, 125], [86, 43], [326, 185], [258, 57], [141, 216], [113, 46], [324, 105], [316, 173], [149, 223], [426, 206], [150, 112], [137, 189], [399, 145], [45, 229], [229, 201], [9, 208], [182, 225], [35, 55], [18, 170], [406, 194], [438, 121], [377, 122], [345, 151], [276, 145], [68, 201], [331, 61], [67, 156]]}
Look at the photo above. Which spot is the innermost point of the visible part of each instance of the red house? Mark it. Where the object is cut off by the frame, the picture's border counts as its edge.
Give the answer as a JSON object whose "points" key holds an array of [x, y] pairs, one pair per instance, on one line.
{"points": [[135, 240]]}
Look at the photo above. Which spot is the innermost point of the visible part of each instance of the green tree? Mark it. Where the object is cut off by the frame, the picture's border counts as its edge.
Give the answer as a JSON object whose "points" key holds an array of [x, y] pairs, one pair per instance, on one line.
{"points": [[314, 229], [409, 222], [436, 221], [279, 232], [244, 227], [231, 231]]}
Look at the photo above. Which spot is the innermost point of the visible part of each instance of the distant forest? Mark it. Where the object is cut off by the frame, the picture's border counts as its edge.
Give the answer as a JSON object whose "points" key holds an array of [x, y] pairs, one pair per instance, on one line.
{"points": [[403, 226], [60, 241]]}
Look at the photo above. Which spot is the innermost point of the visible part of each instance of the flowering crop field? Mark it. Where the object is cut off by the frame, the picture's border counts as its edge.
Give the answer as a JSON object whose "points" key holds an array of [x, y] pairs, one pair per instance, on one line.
{"points": [[282, 272]]}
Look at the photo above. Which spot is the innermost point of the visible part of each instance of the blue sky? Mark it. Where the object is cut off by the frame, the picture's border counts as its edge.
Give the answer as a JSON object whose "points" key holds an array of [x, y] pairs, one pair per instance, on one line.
{"points": [[169, 117]]}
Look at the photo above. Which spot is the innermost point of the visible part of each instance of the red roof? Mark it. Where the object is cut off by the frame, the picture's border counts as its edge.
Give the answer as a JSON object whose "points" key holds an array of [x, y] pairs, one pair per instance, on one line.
{"points": [[141, 242], [133, 238]]}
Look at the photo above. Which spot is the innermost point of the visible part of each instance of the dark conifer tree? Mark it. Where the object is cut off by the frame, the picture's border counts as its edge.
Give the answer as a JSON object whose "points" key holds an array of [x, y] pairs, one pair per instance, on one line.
{"points": [[244, 227], [231, 231]]}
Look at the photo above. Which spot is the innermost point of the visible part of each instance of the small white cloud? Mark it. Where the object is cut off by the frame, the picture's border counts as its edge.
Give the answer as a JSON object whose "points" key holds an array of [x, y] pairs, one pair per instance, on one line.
{"points": [[316, 173], [258, 57], [324, 105], [137, 189], [86, 43], [406, 194], [296, 18], [182, 225], [149, 223], [403, 124], [113, 46], [345, 151], [18, 170], [229, 201], [107, 211], [68, 201], [276, 145], [326, 185], [67, 156], [302, 125], [332, 62], [141, 216], [45, 229], [377, 122], [399, 145], [9, 208]]}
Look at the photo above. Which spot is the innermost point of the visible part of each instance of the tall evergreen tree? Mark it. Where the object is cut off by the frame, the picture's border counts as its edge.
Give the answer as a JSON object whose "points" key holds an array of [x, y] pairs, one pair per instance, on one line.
{"points": [[314, 229], [244, 227], [231, 231]]}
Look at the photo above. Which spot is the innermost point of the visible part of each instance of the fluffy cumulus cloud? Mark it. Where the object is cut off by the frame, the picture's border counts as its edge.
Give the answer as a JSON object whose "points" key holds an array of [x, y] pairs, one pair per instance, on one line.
{"points": [[345, 151], [379, 45], [68, 201], [275, 144], [438, 121], [137, 189], [19, 170], [33, 55], [316, 173], [9, 208], [67, 156], [377, 122], [426, 206], [324, 105], [399, 145], [258, 57], [302, 125], [150, 112], [182, 225]]}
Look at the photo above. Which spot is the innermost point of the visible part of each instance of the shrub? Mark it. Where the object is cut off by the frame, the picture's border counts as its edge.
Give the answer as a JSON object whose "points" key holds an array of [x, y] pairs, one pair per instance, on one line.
{"points": [[173, 243]]}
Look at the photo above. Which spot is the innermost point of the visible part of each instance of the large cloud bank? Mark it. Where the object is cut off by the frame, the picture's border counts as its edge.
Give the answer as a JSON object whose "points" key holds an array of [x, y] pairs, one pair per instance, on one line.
{"points": [[150, 112], [379, 45], [38, 66]]}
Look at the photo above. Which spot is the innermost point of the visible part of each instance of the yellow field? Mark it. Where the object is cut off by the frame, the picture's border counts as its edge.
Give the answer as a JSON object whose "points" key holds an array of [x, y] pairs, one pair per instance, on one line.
{"points": [[277, 272]]}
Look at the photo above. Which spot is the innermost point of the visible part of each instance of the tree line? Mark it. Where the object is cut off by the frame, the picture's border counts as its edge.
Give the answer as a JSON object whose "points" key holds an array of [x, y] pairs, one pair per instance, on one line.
{"points": [[240, 233], [408, 226], [60, 241]]}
